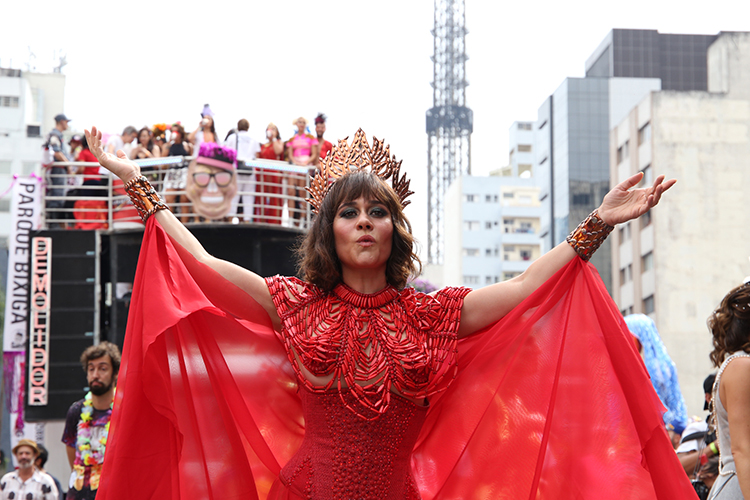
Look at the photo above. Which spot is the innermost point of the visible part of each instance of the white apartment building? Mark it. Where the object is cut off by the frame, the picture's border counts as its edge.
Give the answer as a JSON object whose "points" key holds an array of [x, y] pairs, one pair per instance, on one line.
{"points": [[521, 154], [491, 230], [676, 263], [28, 105]]}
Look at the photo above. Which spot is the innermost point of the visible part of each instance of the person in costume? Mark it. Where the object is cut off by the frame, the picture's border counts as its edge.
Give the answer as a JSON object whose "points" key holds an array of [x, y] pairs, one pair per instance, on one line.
{"points": [[661, 369], [302, 150], [269, 181], [348, 384], [88, 422], [324, 146], [730, 327]]}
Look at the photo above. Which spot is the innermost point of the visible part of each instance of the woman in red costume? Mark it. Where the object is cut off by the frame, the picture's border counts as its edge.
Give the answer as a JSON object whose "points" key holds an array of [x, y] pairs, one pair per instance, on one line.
{"points": [[269, 181], [351, 385]]}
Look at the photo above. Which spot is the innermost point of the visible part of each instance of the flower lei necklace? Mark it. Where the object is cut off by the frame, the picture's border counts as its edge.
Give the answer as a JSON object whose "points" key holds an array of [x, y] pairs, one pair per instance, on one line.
{"points": [[88, 456]]}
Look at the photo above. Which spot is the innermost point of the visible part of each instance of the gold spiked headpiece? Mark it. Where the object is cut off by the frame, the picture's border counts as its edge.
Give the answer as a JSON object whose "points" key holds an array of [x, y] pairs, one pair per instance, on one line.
{"points": [[344, 158]]}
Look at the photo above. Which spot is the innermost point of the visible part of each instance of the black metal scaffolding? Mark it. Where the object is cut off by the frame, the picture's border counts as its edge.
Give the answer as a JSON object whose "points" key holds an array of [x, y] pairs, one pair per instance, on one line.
{"points": [[449, 122]]}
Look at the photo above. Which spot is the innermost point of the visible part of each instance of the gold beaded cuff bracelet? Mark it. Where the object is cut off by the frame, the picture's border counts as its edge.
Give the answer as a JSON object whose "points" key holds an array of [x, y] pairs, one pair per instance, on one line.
{"points": [[589, 235], [146, 200]]}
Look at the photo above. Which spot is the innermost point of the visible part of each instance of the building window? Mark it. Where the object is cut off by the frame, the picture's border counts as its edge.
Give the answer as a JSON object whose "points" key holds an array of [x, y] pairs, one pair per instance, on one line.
{"points": [[524, 148], [497, 251], [488, 225], [644, 133], [648, 304], [645, 219], [488, 280], [470, 198], [622, 152], [627, 311], [626, 274], [471, 225], [648, 176], [647, 262], [509, 276], [508, 194], [525, 254], [471, 252], [471, 280], [488, 252], [5, 205], [8, 101], [624, 233], [523, 168], [33, 131], [5, 166], [524, 126], [581, 199]]}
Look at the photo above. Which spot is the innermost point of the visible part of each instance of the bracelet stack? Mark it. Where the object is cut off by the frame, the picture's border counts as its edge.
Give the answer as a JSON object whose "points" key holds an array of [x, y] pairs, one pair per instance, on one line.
{"points": [[589, 235], [146, 200]]}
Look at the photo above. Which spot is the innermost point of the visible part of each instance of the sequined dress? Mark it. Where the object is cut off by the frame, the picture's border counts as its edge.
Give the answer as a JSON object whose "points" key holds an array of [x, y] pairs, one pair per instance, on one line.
{"points": [[364, 363]]}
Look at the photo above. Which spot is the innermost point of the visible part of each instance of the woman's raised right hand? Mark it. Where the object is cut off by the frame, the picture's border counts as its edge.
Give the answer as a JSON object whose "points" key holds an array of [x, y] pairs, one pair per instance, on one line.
{"points": [[119, 165]]}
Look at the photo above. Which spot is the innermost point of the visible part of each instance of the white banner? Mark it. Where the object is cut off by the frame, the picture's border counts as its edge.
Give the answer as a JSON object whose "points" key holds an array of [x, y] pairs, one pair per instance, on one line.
{"points": [[26, 215]]}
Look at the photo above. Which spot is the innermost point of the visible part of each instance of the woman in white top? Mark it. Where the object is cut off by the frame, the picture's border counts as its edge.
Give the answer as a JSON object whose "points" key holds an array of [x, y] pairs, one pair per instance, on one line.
{"points": [[730, 326]]}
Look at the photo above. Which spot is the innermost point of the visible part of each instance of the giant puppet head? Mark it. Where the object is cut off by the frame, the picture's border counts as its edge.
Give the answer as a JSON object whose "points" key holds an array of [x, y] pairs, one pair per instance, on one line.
{"points": [[212, 181]]}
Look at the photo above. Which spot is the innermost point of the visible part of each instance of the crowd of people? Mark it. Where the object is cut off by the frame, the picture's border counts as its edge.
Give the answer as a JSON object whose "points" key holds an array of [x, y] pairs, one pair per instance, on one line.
{"points": [[261, 192]]}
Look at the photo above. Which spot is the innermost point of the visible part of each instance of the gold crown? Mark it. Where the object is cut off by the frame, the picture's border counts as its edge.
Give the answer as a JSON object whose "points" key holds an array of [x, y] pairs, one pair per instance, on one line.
{"points": [[344, 158]]}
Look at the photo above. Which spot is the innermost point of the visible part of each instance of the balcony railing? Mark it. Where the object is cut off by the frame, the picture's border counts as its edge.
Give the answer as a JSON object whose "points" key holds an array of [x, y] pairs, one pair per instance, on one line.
{"points": [[268, 196]]}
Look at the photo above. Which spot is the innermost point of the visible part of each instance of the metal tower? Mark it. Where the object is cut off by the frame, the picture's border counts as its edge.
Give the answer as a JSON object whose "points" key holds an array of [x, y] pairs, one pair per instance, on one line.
{"points": [[449, 121]]}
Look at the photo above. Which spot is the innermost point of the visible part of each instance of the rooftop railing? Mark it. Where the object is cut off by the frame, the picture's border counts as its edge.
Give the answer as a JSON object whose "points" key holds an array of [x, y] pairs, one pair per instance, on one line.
{"points": [[268, 193]]}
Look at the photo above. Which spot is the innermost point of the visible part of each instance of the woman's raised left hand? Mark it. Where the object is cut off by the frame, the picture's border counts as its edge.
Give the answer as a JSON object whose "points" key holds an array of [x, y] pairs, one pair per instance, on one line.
{"points": [[622, 203]]}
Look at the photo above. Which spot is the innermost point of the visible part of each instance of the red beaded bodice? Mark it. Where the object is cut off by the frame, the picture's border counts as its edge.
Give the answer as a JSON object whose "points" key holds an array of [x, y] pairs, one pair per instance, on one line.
{"points": [[344, 457], [369, 346]]}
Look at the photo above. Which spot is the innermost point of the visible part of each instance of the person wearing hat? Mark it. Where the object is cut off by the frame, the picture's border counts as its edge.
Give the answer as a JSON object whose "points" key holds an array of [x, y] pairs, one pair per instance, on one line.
{"points": [[696, 439], [212, 181], [54, 150], [27, 482]]}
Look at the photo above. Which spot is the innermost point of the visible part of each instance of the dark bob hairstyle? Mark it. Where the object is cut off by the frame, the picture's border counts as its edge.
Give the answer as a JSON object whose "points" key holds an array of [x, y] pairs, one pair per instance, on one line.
{"points": [[730, 324], [316, 255]]}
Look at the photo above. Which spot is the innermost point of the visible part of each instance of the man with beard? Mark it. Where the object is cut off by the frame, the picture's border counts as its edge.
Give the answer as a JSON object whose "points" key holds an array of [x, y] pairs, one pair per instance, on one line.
{"points": [[27, 483], [320, 129], [87, 424]]}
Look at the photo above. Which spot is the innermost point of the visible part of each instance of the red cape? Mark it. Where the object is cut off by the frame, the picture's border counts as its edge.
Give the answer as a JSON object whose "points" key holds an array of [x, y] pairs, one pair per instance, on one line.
{"points": [[551, 402]]}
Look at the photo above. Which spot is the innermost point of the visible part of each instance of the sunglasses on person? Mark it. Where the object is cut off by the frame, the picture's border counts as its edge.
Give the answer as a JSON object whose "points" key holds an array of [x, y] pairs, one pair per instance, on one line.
{"points": [[222, 179]]}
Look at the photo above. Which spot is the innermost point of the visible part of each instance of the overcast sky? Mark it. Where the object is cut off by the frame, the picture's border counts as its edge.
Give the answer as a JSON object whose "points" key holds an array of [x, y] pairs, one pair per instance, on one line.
{"points": [[364, 64]]}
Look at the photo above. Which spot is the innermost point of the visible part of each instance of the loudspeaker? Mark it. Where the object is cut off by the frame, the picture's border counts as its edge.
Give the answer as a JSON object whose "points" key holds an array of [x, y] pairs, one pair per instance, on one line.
{"points": [[64, 312]]}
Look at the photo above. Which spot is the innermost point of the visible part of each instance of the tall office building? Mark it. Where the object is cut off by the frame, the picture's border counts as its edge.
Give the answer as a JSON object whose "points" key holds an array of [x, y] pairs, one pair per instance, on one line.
{"points": [[676, 263], [572, 128]]}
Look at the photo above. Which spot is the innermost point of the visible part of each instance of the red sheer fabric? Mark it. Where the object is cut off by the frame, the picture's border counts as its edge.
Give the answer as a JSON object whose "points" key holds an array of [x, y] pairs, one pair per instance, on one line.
{"points": [[551, 402]]}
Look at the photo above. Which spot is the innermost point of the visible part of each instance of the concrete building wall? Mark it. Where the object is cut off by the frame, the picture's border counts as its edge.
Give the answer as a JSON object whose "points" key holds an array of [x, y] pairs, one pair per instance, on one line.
{"points": [[698, 238], [729, 65], [702, 233]]}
